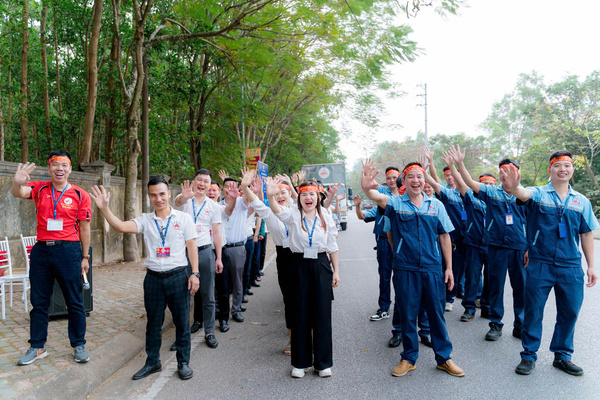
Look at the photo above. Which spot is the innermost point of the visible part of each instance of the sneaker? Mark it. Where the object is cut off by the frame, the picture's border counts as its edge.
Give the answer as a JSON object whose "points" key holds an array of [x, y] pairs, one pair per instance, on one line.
{"points": [[449, 307], [494, 333], [379, 315], [517, 332], [525, 367], [326, 373], [31, 355], [568, 367], [297, 372], [467, 316], [81, 354]]}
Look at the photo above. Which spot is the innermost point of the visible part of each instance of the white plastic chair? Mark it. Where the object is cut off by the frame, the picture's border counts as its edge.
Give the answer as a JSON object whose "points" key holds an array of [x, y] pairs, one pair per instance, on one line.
{"points": [[11, 278], [4, 266], [2, 290]]}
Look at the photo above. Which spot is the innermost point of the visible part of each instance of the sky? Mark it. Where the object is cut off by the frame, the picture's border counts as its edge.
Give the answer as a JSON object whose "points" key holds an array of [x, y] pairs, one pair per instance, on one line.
{"points": [[471, 60]]}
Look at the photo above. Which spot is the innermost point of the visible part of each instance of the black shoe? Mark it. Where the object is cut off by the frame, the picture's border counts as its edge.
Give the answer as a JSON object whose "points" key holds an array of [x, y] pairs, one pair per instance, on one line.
{"points": [[211, 341], [262, 273], [237, 317], [184, 370], [255, 284], [196, 326], [525, 367], [460, 295], [395, 341], [223, 326], [147, 370], [467, 316], [249, 292], [485, 313], [425, 340], [243, 308], [245, 299], [568, 367], [173, 347], [517, 332], [494, 333]]}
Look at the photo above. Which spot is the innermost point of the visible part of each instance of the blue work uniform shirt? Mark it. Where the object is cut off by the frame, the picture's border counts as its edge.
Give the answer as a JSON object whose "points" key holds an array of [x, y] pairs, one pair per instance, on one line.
{"points": [[497, 232], [415, 232], [382, 223], [545, 210], [451, 199], [475, 220]]}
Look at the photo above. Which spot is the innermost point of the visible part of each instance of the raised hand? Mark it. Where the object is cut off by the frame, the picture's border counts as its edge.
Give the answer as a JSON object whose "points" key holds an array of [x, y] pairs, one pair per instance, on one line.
{"points": [[232, 190], [257, 185], [294, 179], [447, 157], [427, 153], [247, 176], [187, 192], [272, 186], [301, 176], [356, 199], [369, 172], [512, 176], [335, 187], [457, 156], [223, 175], [101, 196], [23, 172], [422, 159]]}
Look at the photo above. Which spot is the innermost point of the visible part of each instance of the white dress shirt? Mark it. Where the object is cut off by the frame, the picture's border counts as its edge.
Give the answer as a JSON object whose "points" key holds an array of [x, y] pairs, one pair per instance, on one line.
{"points": [[180, 229], [278, 231], [235, 224], [299, 238], [204, 214]]}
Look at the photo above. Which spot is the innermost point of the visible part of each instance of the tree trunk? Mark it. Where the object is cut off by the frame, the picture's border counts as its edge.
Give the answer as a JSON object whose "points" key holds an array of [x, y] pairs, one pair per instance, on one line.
{"points": [[1, 130], [109, 144], [60, 110], [92, 85], [46, 99], [24, 52]]}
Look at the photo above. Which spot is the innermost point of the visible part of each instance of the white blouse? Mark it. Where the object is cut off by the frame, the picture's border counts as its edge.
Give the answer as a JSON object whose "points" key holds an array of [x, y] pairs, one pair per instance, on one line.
{"points": [[299, 238], [277, 229]]}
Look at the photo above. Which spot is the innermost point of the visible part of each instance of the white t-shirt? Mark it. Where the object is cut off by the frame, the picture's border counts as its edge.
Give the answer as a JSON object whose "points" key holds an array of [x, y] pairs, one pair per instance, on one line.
{"points": [[180, 228], [204, 214], [235, 224], [299, 238]]}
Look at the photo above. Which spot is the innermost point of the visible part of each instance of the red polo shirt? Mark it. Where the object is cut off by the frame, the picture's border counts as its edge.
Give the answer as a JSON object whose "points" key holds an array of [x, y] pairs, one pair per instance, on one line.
{"points": [[74, 206]]}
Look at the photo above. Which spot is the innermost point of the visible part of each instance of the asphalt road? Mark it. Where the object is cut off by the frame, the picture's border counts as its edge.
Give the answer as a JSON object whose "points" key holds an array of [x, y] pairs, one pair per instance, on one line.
{"points": [[249, 362]]}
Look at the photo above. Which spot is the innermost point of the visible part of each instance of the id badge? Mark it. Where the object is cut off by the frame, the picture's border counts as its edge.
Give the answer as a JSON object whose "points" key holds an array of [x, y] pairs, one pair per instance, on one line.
{"points": [[285, 242], [463, 215], [163, 252], [562, 230], [309, 252], [509, 219], [54, 225]]}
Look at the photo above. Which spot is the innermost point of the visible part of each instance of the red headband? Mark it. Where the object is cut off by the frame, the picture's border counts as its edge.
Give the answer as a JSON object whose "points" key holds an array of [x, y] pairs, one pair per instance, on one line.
{"points": [[412, 168], [215, 186], [448, 173], [561, 158], [284, 186], [402, 189], [392, 170], [59, 159], [484, 179], [310, 188]]}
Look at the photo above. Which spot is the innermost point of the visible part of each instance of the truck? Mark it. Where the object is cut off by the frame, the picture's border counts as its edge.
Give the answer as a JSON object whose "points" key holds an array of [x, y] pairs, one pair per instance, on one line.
{"points": [[329, 174]]}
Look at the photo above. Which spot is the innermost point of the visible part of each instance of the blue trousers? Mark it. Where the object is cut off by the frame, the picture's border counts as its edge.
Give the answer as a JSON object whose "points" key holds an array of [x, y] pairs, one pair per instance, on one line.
{"points": [[423, 321], [458, 268], [568, 290], [62, 263], [475, 258], [384, 259], [501, 260], [427, 288]]}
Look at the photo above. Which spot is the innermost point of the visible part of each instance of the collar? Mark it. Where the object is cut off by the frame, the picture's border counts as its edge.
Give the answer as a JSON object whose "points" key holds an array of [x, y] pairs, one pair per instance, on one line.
{"points": [[552, 189], [159, 218]]}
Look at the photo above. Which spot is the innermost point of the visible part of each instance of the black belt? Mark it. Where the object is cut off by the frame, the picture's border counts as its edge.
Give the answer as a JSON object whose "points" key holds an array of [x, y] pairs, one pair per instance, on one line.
{"points": [[206, 246], [51, 243], [242, 243], [165, 274]]}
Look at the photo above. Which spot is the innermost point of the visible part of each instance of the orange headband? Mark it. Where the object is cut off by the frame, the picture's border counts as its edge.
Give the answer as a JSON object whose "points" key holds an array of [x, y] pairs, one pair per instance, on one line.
{"points": [[448, 173], [392, 170], [402, 189], [412, 168], [561, 158], [59, 159], [215, 186], [284, 186], [507, 166], [484, 179], [309, 188]]}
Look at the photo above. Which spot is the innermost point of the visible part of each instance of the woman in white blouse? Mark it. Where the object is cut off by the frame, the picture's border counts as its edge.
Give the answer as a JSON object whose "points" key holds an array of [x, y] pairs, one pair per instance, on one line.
{"points": [[311, 238], [279, 232]]}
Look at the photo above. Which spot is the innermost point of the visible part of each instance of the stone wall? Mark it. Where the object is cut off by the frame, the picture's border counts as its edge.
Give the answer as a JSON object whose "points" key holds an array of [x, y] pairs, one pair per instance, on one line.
{"points": [[17, 216]]}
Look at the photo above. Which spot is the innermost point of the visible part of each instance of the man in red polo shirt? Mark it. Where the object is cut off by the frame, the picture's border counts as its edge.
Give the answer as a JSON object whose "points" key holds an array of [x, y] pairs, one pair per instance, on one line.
{"points": [[63, 213]]}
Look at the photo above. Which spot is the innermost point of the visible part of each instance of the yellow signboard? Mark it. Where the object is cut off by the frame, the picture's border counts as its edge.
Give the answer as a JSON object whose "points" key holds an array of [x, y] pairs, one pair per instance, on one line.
{"points": [[252, 157]]}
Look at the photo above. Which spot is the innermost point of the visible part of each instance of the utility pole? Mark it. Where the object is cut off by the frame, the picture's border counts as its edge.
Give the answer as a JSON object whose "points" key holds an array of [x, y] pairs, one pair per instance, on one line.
{"points": [[424, 95]]}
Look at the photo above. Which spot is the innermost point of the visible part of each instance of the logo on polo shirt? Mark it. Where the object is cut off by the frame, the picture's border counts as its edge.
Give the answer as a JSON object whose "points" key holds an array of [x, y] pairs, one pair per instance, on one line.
{"points": [[431, 207], [177, 227], [68, 200]]}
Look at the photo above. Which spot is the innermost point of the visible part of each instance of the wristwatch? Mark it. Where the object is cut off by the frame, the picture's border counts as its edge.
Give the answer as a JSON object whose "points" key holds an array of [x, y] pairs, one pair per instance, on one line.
{"points": [[196, 274]]}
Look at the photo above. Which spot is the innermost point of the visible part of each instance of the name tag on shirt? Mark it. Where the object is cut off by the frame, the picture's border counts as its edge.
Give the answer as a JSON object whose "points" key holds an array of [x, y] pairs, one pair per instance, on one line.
{"points": [[463, 215], [54, 225], [562, 230], [509, 219], [285, 242], [309, 252], [163, 252]]}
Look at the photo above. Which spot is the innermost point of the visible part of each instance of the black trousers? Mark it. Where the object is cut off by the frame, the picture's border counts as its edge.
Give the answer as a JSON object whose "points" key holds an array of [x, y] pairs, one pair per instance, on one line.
{"points": [[284, 277], [160, 292], [312, 344]]}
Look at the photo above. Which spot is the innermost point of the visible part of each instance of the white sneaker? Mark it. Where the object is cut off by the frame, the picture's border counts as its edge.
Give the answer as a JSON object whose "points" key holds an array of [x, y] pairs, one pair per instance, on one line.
{"points": [[379, 315], [297, 372], [326, 373], [449, 306]]}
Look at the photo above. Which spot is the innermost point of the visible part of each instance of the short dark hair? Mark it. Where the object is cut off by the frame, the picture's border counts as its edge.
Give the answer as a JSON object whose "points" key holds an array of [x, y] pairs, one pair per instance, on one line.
{"points": [[391, 169], [560, 153], [509, 161], [399, 181], [215, 183], [156, 180], [59, 153], [446, 168], [229, 179], [203, 171], [486, 174], [411, 164]]}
